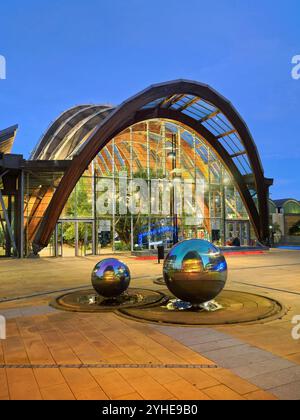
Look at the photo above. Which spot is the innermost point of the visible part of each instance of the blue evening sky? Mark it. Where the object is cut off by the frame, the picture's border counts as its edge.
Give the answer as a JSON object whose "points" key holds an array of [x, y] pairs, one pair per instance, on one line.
{"points": [[62, 53]]}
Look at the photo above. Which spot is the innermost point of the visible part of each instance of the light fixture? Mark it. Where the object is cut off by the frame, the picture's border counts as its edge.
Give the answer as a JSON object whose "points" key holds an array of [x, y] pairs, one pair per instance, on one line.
{"points": [[171, 155], [226, 180]]}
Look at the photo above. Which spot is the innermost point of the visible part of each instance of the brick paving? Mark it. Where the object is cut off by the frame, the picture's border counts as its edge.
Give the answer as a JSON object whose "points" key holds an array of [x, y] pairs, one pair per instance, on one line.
{"points": [[84, 338]]}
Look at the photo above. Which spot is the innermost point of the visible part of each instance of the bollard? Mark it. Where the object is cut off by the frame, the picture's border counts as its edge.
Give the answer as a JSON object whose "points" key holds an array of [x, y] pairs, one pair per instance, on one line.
{"points": [[160, 253]]}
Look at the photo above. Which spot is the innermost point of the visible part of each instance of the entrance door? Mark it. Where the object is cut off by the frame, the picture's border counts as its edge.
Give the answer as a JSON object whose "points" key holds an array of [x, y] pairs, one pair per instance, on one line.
{"points": [[74, 238], [2, 237], [238, 229], [65, 239], [7, 236], [86, 241], [105, 240]]}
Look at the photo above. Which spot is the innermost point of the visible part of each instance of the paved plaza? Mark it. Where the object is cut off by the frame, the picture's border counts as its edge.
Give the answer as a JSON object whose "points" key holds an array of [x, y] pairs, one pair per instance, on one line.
{"points": [[51, 354]]}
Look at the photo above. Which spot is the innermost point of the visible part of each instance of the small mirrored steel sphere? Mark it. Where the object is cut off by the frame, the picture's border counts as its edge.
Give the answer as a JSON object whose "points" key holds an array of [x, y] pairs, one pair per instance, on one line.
{"points": [[195, 271], [110, 278]]}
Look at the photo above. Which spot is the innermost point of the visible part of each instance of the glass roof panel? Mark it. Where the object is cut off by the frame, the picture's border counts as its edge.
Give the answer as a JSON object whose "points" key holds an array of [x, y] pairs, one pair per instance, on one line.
{"points": [[241, 165], [182, 101], [103, 161], [216, 123], [224, 121], [234, 137], [107, 153], [221, 124], [211, 128], [188, 138], [171, 127], [117, 153], [192, 113], [178, 104], [153, 104], [200, 112], [231, 146], [206, 106], [203, 153], [247, 165]]}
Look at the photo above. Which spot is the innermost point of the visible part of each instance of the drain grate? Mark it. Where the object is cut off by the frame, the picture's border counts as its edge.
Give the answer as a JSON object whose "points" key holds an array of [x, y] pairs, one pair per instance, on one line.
{"points": [[109, 365]]}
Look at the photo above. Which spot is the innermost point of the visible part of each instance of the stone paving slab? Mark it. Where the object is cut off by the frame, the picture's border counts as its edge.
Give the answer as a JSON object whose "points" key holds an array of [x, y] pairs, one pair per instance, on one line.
{"points": [[287, 392], [277, 378], [240, 356], [27, 311], [217, 345], [261, 368]]}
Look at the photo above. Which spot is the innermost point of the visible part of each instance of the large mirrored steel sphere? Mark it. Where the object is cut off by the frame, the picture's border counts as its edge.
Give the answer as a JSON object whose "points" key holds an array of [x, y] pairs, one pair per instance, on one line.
{"points": [[110, 277], [195, 271]]}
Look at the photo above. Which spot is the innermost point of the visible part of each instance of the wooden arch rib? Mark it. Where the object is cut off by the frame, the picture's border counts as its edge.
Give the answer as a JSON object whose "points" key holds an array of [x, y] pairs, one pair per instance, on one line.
{"points": [[128, 114]]}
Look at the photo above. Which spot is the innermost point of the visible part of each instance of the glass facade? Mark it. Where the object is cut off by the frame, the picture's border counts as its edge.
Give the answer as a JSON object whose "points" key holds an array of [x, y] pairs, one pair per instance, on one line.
{"points": [[155, 183], [6, 246]]}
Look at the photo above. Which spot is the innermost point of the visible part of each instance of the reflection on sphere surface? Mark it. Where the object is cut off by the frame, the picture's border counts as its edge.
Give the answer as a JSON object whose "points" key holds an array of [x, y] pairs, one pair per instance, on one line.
{"points": [[195, 271], [110, 277]]}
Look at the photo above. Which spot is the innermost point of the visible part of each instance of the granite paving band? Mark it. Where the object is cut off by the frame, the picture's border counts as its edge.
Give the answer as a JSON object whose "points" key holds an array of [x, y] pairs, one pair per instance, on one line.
{"points": [[264, 369], [38, 294], [27, 311], [109, 366]]}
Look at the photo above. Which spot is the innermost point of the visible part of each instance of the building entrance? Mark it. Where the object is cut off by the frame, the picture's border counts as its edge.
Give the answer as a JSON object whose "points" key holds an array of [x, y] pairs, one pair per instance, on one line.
{"points": [[238, 229], [74, 238]]}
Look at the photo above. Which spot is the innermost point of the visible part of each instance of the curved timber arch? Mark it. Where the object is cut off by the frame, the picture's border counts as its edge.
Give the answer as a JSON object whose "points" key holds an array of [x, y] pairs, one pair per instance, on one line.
{"points": [[195, 105]]}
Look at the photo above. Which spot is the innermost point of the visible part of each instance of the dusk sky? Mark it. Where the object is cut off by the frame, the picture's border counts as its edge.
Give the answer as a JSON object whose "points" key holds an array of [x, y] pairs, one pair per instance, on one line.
{"points": [[63, 53]]}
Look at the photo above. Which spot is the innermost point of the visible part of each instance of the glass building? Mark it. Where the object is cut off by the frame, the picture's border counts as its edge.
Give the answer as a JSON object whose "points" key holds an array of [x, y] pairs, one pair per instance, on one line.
{"points": [[157, 152], [175, 161]]}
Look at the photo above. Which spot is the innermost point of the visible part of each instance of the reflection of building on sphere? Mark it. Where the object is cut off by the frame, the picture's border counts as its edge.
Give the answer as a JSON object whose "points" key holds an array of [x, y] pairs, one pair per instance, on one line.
{"points": [[195, 271], [110, 277], [192, 263]]}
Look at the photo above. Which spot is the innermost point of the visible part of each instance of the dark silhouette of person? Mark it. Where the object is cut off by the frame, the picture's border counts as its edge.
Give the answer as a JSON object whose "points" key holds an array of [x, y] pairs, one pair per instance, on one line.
{"points": [[236, 241]]}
